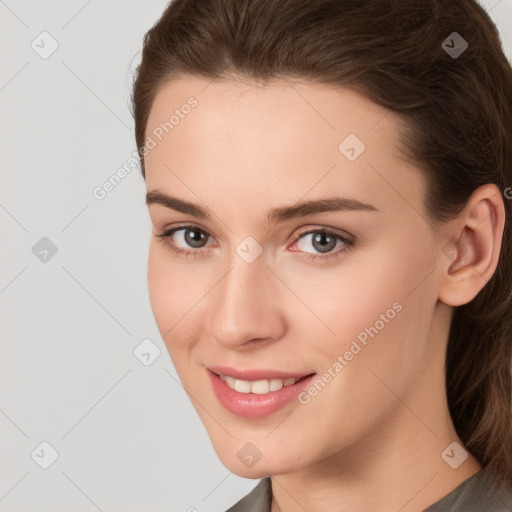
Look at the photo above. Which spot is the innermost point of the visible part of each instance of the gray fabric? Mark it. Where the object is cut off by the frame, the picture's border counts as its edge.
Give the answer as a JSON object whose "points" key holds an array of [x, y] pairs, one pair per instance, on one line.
{"points": [[476, 494], [258, 500]]}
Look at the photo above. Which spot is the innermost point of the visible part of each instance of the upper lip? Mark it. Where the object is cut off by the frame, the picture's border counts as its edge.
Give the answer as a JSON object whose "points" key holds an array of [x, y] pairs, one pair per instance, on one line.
{"points": [[253, 374]]}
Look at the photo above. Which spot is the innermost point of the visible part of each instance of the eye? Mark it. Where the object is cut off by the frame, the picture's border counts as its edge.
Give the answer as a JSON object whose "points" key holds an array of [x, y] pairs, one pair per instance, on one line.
{"points": [[191, 241], [324, 242], [194, 237], [189, 236]]}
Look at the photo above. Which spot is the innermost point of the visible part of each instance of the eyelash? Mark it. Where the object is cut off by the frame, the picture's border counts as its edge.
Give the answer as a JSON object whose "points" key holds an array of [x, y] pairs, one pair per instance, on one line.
{"points": [[166, 235]]}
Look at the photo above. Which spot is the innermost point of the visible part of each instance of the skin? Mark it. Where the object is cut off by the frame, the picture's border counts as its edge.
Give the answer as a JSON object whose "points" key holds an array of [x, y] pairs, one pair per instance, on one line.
{"points": [[372, 439]]}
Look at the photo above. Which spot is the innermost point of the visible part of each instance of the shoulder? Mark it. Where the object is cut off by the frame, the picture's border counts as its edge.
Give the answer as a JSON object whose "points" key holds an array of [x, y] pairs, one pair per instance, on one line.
{"points": [[479, 493], [258, 500]]}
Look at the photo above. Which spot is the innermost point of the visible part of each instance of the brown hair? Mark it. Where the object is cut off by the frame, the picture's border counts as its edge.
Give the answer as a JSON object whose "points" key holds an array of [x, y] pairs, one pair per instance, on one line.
{"points": [[458, 118]]}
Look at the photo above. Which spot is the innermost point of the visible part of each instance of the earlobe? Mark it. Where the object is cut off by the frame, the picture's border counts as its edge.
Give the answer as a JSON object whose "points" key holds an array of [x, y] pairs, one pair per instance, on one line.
{"points": [[470, 256]]}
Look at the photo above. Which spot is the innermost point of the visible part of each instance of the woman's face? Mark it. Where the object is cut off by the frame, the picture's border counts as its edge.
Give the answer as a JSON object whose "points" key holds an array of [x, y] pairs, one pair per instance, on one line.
{"points": [[262, 293]]}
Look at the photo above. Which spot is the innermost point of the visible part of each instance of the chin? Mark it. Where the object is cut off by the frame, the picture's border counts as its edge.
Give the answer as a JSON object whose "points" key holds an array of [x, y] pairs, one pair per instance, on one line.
{"points": [[265, 466], [251, 473]]}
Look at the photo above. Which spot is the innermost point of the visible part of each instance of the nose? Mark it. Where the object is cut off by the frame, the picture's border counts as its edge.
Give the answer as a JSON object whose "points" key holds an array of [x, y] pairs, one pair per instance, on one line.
{"points": [[245, 306]]}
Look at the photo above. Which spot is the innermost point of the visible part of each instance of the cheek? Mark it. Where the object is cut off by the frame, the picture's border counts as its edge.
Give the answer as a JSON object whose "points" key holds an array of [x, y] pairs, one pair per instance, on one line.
{"points": [[177, 295], [382, 323], [354, 293], [381, 300], [158, 286], [169, 292]]}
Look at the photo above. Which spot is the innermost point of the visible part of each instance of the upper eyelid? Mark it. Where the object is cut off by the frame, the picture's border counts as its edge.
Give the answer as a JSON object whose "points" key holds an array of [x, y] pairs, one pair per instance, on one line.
{"points": [[334, 231]]}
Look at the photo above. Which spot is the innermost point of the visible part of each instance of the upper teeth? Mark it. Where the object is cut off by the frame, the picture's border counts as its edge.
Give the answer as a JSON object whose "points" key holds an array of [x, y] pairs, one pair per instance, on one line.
{"points": [[260, 387]]}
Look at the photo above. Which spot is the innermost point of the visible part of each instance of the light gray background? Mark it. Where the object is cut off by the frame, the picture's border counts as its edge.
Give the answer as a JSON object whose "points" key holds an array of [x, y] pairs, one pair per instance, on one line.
{"points": [[127, 437]]}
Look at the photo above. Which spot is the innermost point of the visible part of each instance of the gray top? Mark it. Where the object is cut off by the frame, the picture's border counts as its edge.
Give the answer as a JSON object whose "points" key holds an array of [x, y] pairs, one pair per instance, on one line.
{"points": [[476, 494]]}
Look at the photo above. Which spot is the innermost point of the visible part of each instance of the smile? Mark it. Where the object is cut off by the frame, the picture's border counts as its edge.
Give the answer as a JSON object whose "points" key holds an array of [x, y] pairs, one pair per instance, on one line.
{"points": [[257, 397]]}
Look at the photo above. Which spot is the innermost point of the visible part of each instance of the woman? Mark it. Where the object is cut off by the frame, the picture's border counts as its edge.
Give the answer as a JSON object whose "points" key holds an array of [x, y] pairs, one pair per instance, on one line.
{"points": [[329, 186]]}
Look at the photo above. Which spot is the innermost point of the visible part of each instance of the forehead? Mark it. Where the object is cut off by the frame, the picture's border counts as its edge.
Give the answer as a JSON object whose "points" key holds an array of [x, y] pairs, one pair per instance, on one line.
{"points": [[283, 138], [283, 108]]}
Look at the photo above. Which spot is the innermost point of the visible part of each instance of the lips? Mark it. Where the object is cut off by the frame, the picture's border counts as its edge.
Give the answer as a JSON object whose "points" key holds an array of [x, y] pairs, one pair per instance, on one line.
{"points": [[256, 393]]}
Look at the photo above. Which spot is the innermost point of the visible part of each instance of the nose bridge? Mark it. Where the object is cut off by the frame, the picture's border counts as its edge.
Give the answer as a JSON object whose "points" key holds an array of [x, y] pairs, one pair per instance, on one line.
{"points": [[242, 309]]}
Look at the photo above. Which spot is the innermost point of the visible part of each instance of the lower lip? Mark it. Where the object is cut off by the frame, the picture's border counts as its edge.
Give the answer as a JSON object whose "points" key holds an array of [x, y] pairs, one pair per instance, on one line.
{"points": [[252, 405]]}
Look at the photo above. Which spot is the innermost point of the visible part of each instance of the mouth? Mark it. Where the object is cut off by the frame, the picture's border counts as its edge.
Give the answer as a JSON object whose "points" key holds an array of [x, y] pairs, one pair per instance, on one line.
{"points": [[260, 386], [255, 396]]}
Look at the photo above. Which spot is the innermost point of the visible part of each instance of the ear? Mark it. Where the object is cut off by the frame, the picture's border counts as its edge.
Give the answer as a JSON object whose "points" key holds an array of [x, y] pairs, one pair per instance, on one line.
{"points": [[471, 246]]}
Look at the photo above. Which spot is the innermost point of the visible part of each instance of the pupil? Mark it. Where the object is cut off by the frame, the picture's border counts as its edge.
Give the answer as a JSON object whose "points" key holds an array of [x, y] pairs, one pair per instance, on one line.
{"points": [[194, 237], [322, 237]]}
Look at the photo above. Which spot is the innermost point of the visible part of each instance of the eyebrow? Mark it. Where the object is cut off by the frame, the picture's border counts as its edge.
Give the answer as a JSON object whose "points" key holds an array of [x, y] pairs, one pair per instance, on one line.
{"points": [[274, 216]]}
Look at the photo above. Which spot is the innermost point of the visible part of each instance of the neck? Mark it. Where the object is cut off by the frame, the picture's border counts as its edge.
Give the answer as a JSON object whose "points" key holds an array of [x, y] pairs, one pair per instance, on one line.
{"points": [[403, 465]]}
